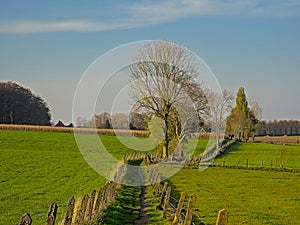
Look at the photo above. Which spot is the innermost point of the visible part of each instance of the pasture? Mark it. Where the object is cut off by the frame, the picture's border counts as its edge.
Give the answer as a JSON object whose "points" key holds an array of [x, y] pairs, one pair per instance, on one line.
{"points": [[250, 196], [37, 168], [262, 155]]}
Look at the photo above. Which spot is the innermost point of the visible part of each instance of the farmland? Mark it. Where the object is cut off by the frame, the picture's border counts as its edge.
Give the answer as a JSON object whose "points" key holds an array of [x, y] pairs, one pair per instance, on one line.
{"points": [[38, 168], [251, 197], [261, 154]]}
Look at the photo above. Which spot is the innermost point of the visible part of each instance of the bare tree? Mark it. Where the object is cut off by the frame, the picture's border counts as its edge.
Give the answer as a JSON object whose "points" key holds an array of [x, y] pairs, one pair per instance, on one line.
{"points": [[219, 104], [256, 109], [120, 121], [162, 79]]}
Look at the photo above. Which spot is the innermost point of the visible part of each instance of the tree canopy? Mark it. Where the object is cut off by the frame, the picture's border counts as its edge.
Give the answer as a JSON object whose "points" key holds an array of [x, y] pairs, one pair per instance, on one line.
{"points": [[241, 122], [163, 83], [18, 105]]}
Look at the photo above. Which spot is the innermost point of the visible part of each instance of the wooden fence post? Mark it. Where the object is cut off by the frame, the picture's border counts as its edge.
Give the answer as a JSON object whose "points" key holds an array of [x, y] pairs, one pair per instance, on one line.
{"points": [[97, 203], [89, 210], [155, 177], [222, 217], [179, 208], [25, 219], [151, 174], [51, 214], [281, 165], [81, 210], [163, 193], [70, 211], [190, 210], [156, 190], [271, 164], [167, 198], [125, 157]]}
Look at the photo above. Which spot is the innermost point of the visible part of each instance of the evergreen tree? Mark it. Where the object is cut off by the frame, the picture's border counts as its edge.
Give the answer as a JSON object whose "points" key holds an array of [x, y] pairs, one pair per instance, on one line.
{"points": [[241, 122]]}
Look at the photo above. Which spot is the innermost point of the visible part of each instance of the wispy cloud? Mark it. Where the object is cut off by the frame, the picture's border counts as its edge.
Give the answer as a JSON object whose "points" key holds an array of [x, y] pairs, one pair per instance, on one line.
{"points": [[176, 9], [148, 13], [58, 26]]}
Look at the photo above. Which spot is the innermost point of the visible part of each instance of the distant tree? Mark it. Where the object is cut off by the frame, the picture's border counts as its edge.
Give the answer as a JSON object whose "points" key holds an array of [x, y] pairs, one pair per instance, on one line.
{"points": [[241, 122], [100, 121], [82, 122], [282, 127], [163, 78], [256, 109], [259, 126], [120, 121], [219, 105], [138, 121], [19, 105], [107, 124]]}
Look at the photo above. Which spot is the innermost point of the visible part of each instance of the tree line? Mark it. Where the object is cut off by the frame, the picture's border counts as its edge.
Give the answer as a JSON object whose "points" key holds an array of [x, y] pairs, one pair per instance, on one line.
{"points": [[280, 127], [18, 105], [133, 121]]}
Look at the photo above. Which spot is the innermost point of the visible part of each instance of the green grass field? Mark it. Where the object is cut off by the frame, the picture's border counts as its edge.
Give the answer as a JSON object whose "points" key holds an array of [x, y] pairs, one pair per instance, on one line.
{"points": [[251, 197], [261, 153], [37, 168], [40, 168]]}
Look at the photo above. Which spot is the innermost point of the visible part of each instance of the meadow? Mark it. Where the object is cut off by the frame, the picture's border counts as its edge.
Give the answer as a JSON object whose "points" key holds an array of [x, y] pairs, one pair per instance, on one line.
{"points": [[262, 155], [250, 196], [37, 168]]}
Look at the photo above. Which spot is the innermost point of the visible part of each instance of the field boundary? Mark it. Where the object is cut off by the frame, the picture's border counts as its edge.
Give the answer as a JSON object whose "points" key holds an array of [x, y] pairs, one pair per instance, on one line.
{"points": [[112, 132], [277, 139], [86, 209]]}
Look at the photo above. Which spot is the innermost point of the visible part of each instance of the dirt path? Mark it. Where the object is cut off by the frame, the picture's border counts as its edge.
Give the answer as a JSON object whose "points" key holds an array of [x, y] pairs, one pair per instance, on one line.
{"points": [[143, 215]]}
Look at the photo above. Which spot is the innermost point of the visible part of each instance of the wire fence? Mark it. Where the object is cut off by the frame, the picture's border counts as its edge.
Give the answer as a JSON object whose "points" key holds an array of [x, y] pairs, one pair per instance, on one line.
{"points": [[178, 211]]}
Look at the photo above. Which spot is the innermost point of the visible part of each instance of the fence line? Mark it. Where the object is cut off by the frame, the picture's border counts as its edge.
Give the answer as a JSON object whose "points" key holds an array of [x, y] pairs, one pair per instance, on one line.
{"points": [[83, 210], [91, 206], [162, 193], [263, 165]]}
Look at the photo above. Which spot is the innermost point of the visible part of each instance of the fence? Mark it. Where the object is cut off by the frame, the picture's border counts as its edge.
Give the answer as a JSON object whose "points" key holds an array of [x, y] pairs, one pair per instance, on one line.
{"points": [[162, 193], [257, 165], [86, 209], [90, 207], [207, 158]]}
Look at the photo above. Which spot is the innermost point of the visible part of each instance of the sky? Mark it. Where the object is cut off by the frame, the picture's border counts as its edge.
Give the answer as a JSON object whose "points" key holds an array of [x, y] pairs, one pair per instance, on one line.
{"points": [[48, 45]]}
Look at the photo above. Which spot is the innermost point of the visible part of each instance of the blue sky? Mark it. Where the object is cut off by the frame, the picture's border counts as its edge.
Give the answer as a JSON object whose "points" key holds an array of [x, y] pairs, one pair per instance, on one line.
{"points": [[47, 45]]}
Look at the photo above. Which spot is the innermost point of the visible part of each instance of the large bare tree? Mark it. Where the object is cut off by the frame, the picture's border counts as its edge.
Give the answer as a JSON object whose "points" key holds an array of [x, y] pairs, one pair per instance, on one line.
{"points": [[163, 83]]}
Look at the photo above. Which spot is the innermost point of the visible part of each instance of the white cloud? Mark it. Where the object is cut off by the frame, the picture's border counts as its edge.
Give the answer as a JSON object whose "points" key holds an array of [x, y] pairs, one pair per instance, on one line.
{"points": [[148, 13], [56, 26]]}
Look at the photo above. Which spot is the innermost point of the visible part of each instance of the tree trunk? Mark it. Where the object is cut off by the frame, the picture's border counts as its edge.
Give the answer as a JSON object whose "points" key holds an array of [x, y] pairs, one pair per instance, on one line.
{"points": [[165, 150]]}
